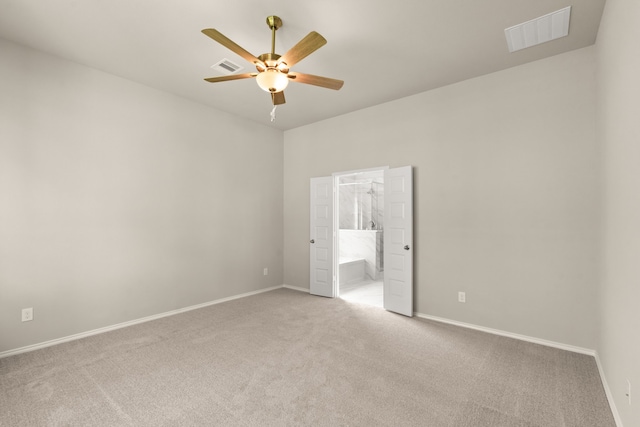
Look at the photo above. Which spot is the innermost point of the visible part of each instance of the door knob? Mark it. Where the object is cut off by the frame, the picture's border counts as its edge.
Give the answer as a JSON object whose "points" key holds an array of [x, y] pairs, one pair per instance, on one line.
{"points": [[312, 241], [406, 247]]}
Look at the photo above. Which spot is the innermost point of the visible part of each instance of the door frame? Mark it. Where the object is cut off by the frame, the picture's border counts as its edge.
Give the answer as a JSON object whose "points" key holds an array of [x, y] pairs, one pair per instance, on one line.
{"points": [[336, 222], [404, 304]]}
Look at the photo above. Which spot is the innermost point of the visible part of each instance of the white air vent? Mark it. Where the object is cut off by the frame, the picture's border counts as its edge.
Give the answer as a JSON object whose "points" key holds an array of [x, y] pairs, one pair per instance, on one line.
{"points": [[226, 67], [540, 30]]}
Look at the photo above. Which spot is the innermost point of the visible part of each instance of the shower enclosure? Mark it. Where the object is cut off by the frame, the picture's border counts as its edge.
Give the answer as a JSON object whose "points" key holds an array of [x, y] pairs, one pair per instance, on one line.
{"points": [[361, 205], [361, 217]]}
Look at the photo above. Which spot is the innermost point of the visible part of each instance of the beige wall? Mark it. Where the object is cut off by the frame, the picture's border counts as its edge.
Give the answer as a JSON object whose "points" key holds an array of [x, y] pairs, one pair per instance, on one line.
{"points": [[506, 194], [118, 201], [618, 54]]}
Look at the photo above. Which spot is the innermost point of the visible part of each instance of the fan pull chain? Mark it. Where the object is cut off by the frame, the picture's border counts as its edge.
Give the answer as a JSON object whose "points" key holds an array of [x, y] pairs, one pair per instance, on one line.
{"points": [[273, 113]]}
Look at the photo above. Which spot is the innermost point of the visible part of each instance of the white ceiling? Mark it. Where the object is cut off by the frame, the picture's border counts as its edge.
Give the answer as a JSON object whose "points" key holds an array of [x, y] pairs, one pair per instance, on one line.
{"points": [[382, 49]]}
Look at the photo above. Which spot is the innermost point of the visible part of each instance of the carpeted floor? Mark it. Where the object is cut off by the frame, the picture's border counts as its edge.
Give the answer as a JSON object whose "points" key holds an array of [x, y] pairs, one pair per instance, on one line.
{"points": [[285, 358]]}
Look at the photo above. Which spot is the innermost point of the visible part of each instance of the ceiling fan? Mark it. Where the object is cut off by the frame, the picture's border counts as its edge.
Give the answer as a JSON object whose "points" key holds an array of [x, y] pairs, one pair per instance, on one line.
{"points": [[274, 70]]}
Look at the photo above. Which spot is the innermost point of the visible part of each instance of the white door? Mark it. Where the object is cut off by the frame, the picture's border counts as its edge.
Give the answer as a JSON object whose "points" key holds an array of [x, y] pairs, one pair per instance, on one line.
{"points": [[321, 237], [398, 240]]}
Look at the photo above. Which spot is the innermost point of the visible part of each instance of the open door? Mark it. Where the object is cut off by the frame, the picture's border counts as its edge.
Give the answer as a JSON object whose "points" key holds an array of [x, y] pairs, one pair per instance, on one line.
{"points": [[398, 240], [321, 238]]}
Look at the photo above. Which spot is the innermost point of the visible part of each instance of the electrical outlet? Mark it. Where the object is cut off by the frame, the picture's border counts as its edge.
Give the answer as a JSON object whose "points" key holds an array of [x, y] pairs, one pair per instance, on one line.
{"points": [[27, 314], [265, 271], [462, 297], [629, 391]]}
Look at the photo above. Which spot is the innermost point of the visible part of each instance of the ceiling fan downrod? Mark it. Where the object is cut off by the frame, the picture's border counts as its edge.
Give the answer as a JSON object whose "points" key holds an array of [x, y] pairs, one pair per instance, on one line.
{"points": [[274, 23]]}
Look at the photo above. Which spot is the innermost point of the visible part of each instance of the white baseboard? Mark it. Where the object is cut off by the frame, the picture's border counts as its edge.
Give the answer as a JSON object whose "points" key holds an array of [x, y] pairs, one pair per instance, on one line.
{"points": [[607, 390], [296, 288], [561, 346], [511, 335], [129, 323], [587, 351]]}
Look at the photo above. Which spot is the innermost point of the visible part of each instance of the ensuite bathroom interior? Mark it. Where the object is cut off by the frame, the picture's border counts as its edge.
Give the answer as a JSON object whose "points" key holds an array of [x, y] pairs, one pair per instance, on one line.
{"points": [[360, 237]]}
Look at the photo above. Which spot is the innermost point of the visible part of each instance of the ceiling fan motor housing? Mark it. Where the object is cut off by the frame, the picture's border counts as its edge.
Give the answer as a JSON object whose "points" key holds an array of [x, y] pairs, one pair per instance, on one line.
{"points": [[271, 61]]}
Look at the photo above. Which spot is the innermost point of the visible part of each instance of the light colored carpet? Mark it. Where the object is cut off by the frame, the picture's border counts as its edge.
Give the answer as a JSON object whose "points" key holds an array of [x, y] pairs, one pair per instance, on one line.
{"points": [[285, 358]]}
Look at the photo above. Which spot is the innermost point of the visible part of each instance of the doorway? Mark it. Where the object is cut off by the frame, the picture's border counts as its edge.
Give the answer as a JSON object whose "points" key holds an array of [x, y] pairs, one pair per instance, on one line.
{"points": [[396, 255], [360, 242]]}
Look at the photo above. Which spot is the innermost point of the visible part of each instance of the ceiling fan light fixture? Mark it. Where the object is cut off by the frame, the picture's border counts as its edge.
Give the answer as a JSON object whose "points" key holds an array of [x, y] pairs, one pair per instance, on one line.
{"points": [[272, 80], [273, 69]]}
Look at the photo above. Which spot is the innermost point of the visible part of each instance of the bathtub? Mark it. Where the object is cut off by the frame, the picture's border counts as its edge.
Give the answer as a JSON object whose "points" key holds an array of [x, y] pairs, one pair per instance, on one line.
{"points": [[351, 270]]}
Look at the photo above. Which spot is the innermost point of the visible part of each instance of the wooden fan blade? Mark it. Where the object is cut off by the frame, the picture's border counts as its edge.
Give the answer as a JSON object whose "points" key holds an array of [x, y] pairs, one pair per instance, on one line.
{"points": [[309, 44], [232, 77], [278, 98], [231, 45], [310, 79]]}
